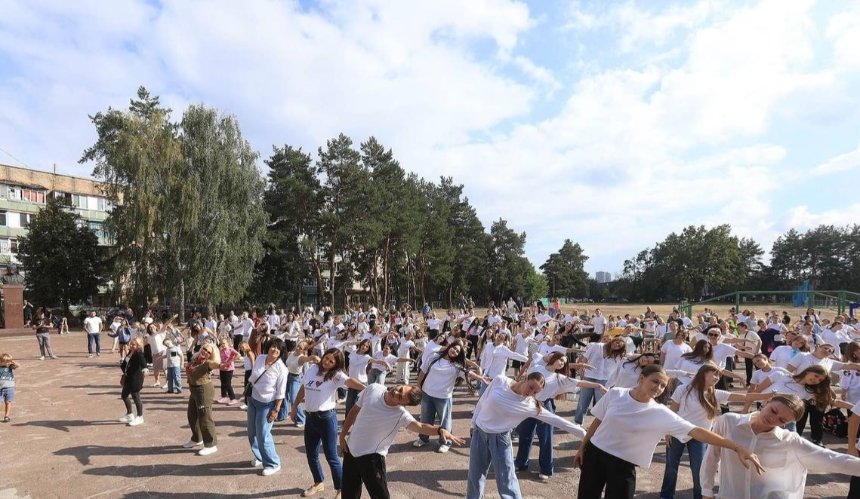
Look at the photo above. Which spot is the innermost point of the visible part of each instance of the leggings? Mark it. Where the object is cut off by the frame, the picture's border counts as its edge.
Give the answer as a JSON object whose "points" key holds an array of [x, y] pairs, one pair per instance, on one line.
{"points": [[816, 422], [227, 384], [134, 396]]}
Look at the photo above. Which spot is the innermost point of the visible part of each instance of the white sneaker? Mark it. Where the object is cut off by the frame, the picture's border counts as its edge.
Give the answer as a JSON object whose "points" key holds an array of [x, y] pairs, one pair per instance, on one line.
{"points": [[443, 448], [136, 421], [271, 471], [192, 444], [244, 407], [543, 477], [205, 451], [41, 357], [419, 443], [256, 464], [127, 418]]}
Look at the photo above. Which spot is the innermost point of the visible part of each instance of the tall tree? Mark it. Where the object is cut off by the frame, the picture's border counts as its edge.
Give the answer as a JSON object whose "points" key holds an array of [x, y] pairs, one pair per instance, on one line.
{"points": [[63, 260], [565, 271]]}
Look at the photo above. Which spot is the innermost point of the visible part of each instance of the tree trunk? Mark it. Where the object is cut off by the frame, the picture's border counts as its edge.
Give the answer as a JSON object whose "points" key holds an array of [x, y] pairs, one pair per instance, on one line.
{"points": [[181, 300], [385, 278], [332, 278]]}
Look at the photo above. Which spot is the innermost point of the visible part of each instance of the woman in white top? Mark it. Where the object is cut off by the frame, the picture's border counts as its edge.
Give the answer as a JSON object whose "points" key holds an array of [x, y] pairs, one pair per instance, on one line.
{"points": [[357, 369], [269, 379], [605, 358], [786, 457], [671, 351], [627, 426], [850, 380], [626, 375], [296, 360], [497, 359], [503, 406], [811, 385], [783, 355], [438, 375], [554, 384], [319, 394], [699, 403]]}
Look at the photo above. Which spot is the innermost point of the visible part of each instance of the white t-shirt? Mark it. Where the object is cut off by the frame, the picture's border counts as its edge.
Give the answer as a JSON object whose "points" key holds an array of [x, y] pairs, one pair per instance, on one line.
{"points": [[599, 323], [390, 362], [156, 343], [811, 360], [404, 347], [93, 325], [554, 383], [673, 354], [377, 423], [759, 376], [850, 383], [784, 383], [722, 352], [783, 355], [440, 378], [500, 409], [321, 395], [499, 361], [430, 349], [272, 382], [358, 366], [691, 408], [631, 430]]}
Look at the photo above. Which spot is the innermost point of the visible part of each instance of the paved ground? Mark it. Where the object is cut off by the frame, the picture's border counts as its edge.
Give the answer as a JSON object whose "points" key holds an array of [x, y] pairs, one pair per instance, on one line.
{"points": [[64, 441]]}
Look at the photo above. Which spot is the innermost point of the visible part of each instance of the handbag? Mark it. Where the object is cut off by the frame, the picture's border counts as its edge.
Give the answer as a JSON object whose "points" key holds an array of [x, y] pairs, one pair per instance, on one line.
{"points": [[249, 388]]}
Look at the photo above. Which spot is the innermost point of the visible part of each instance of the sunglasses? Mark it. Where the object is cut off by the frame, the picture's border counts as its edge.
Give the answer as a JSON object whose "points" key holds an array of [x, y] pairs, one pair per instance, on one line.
{"points": [[712, 335]]}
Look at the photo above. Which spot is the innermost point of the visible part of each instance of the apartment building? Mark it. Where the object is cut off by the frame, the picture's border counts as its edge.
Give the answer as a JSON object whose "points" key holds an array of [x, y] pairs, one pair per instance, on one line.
{"points": [[24, 192]]}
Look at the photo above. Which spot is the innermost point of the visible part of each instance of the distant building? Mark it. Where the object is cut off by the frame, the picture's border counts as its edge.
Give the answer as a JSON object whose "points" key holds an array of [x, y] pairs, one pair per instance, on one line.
{"points": [[25, 192], [603, 277]]}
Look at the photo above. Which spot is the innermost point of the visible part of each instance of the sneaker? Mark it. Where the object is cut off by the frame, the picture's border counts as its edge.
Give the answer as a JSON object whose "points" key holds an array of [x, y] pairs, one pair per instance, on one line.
{"points": [[419, 443], [54, 357], [6, 419], [136, 421], [443, 448], [127, 418], [244, 407], [205, 451], [233, 402], [41, 357], [192, 444], [256, 464], [156, 385], [98, 354], [314, 489], [222, 400], [271, 471], [89, 356], [300, 425], [543, 477]]}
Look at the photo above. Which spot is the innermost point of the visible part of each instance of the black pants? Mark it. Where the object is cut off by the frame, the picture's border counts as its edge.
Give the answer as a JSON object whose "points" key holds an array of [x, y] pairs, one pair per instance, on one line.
{"points": [[368, 470], [227, 384], [816, 422], [126, 393], [854, 489], [748, 364], [471, 346], [236, 340], [601, 469]]}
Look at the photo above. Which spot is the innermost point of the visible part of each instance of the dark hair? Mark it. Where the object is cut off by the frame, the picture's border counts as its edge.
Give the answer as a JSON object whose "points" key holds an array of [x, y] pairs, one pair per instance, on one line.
{"points": [[699, 352], [290, 345], [363, 343], [339, 363], [635, 360], [609, 353], [553, 358], [415, 396], [279, 344], [536, 376], [707, 398], [823, 394]]}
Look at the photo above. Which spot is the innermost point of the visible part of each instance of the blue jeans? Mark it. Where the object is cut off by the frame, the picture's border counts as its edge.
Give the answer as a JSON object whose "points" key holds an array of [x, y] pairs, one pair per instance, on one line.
{"points": [[294, 382], [585, 397], [495, 449], [526, 431], [321, 428], [174, 381], [432, 407], [351, 398], [377, 377], [696, 450], [94, 339], [260, 433], [790, 426]]}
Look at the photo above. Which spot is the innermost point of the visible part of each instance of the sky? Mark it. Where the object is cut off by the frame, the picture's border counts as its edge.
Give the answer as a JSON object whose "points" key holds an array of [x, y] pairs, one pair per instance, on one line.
{"points": [[612, 124]]}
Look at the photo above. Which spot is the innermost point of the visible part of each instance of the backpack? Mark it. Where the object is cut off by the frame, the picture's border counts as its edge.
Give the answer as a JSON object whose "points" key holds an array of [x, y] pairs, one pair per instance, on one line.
{"points": [[836, 423]]}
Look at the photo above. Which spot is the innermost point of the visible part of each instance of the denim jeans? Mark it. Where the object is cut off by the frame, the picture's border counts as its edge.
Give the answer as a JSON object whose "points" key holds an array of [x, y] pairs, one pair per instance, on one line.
{"points": [[790, 426], [294, 382], [432, 407], [495, 449], [260, 433], [94, 339], [174, 380], [526, 431], [44, 340], [585, 397], [696, 450], [351, 398], [321, 428], [377, 377]]}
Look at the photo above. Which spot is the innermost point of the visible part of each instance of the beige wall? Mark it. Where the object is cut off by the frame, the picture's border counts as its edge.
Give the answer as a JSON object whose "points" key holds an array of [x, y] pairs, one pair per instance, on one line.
{"points": [[49, 181]]}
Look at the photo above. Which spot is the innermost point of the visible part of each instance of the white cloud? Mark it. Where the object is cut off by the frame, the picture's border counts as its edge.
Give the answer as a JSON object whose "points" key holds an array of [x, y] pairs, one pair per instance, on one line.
{"points": [[844, 31], [838, 164], [800, 217]]}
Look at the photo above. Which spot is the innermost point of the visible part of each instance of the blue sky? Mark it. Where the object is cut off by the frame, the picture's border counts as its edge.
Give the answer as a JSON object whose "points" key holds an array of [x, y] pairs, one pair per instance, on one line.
{"points": [[609, 123]]}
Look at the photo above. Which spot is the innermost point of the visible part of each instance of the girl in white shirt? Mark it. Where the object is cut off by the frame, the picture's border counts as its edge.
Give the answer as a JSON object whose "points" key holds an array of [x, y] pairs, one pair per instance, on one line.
{"points": [[269, 378], [436, 379], [812, 385], [699, 403], [785, 455], [503, 406], [554, 384], [319, 394], [850, 381], [627, 426], [358, 361], [296, 360], [605, 358]]}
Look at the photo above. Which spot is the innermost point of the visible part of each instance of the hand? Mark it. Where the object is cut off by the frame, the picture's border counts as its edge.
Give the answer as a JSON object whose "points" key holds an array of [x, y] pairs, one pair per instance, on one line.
{"points": [[748, 458], [579, 457], [343, 446], [603, 388], [451, 438], [293, 414], [668, 441], [273, 414]]}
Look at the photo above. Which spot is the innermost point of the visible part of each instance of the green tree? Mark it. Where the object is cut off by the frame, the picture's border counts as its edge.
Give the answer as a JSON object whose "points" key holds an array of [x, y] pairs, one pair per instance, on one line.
{"points": [[63, 261], [565, 272], [188, 219]]}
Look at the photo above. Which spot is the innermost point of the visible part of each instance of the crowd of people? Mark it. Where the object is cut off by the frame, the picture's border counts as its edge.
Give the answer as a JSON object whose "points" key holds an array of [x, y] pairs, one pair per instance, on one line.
{"points": [[643, 379]]}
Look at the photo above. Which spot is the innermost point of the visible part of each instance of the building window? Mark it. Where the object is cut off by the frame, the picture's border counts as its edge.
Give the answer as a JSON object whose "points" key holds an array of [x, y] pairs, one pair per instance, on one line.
{"points": [[26, 218], [8, 246], [33, 196], [2, 218], [4, 189], [14, 193]]}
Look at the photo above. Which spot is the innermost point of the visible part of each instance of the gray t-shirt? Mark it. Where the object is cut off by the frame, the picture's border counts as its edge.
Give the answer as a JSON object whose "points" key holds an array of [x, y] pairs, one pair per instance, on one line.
{"points": [[7, 377]]}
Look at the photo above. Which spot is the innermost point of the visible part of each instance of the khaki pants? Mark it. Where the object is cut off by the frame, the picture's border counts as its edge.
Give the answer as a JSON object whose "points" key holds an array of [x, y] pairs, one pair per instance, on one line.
{"points": [[200, 414]]}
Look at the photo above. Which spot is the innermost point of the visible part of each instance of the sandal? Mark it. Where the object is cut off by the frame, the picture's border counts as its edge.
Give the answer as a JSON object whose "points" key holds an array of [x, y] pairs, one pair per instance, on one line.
{"points": [[6, 419]]}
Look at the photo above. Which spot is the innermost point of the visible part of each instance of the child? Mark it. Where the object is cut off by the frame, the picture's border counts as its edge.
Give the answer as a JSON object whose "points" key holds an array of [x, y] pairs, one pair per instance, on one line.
{"points": [[7, 383], [228, 356], [383, 362], [248, 365], [173, 361], [404, 349]]}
